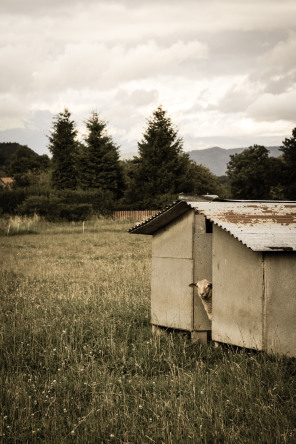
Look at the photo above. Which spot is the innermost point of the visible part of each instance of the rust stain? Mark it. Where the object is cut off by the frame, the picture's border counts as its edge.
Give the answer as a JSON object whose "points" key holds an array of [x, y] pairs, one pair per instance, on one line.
{"points": [[254, 219]]}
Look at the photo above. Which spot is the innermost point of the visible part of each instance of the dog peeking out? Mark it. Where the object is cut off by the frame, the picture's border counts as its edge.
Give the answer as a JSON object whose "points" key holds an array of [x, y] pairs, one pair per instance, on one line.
{"points": [[204, 291]]}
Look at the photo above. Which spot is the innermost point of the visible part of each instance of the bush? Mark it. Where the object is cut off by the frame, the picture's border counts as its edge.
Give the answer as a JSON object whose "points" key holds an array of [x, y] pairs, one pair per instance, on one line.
{"points": [[64, 204], [69, 205], [10, 200], [76, 212], [48, 207], [101, 201], [54, 208]]}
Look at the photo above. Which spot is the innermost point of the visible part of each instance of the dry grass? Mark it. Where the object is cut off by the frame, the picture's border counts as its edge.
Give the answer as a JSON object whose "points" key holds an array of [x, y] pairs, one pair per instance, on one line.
{"points": [[78, 362]]}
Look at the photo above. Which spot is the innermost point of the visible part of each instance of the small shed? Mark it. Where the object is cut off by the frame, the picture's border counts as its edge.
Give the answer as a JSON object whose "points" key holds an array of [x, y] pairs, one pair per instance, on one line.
{"points": [[247, 249]]}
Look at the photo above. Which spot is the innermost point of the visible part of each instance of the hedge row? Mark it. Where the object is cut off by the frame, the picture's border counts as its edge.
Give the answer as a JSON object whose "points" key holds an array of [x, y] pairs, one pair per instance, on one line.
{"points": [[66, 204]]}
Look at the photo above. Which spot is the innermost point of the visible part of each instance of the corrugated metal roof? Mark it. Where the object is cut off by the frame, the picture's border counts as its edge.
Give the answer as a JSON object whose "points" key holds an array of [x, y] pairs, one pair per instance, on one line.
{"points": [[164, 217], [261, 226]]}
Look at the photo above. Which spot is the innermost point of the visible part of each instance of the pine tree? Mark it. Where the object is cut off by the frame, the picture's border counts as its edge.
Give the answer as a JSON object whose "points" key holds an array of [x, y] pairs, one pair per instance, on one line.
{"points": [[161, 167], [63, 146], [99, 159], [289, 168]]}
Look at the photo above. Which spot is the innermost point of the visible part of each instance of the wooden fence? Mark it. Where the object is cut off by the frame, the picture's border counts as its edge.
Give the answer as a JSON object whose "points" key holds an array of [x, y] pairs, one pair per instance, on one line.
{"points": [[134, 215]]}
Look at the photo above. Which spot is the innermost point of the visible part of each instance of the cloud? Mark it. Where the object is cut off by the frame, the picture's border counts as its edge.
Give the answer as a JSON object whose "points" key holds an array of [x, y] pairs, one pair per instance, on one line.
{"points": [[269, 107], [276, 69], [96, 65], [220, 68], [138, 97], [237, 98]]}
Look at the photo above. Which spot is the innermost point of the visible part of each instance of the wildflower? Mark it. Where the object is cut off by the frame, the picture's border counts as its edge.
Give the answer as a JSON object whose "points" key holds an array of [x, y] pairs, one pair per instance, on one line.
{"points": [[111, 435]]}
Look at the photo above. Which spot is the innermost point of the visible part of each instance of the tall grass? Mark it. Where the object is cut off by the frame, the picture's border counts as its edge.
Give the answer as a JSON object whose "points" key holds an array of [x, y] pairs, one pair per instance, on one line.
{"points": [[78, 362]]}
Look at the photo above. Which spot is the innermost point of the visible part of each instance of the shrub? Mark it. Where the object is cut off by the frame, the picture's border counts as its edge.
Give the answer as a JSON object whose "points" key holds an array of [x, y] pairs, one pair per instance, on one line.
{"points": [[64, 204], [68, 205], [10, 200], [76, 212], [48, 207], [101, 201]]}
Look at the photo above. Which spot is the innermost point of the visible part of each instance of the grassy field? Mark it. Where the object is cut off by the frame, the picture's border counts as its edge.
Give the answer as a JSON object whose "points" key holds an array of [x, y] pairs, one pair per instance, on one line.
{"points": [[78, 362]]}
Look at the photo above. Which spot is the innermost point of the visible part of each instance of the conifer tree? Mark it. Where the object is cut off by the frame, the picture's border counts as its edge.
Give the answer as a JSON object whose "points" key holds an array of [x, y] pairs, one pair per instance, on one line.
{"points": [[289, 166], [99, 159], [161, 167], [63, 146]]}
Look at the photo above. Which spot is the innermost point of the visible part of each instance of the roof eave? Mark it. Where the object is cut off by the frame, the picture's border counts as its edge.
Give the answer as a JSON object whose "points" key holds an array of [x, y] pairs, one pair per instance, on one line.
{"points": [[161, 219]]}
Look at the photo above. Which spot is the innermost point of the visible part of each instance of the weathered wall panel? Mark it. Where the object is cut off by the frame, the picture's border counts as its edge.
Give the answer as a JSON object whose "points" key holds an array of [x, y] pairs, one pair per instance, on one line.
{"points": [[199, 223], [171, 298], [280, 290], [202, 256], [237, 292], [175, 239]]}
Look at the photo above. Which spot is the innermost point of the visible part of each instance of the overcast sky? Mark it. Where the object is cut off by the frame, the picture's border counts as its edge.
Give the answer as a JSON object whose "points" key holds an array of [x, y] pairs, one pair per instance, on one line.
{"points": [[225, 70]]}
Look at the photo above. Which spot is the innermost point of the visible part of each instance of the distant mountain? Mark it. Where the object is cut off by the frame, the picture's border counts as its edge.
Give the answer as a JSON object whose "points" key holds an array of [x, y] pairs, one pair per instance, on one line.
{"points": [[216, 158]]}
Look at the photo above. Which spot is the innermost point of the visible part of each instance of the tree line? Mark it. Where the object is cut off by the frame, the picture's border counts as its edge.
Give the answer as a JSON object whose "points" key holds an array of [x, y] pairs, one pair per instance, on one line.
{"points": [[86, 177]]}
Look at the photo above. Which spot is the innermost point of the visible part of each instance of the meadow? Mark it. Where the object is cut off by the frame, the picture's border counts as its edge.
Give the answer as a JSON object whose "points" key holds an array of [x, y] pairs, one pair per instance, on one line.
{"points": [[78, 361]]}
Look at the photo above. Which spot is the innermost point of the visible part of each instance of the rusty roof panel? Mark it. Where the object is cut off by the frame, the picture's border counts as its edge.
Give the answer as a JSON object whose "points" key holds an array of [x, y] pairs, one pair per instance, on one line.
{"points": [[261, 226]]}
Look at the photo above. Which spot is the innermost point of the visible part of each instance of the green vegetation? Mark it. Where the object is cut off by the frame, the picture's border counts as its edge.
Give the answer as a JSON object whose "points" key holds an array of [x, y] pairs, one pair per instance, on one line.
{"points": [[98, 163], [254, 175], [150, 181], [27, 167], [71, 205], [78, 362], [7, 150], [289, 166], [63, 147], [162, 170]]}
